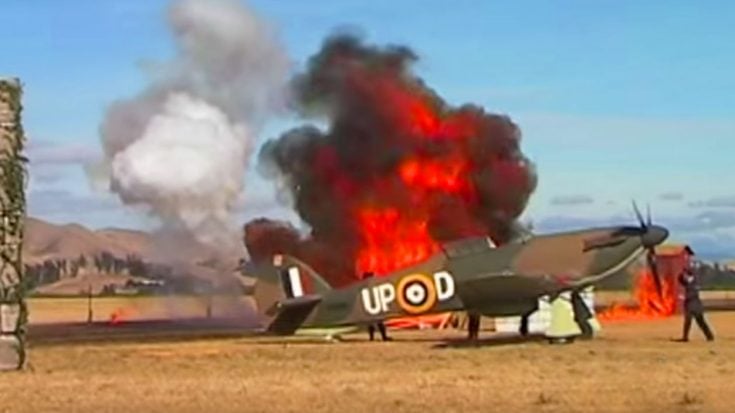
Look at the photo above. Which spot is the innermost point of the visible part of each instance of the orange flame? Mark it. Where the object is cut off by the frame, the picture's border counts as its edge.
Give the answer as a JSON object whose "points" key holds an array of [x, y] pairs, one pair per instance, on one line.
{"points": [[649, 304], [395, 238], [392, 241], [397, 172], [117, 316]]}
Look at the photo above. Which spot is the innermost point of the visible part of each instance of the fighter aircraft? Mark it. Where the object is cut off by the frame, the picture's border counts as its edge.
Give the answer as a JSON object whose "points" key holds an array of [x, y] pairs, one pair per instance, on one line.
{"points": [[466, 275]]}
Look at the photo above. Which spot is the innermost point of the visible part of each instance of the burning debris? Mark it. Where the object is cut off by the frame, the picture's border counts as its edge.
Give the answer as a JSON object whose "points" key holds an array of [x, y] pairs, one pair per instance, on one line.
{"points": [[397, 170]]}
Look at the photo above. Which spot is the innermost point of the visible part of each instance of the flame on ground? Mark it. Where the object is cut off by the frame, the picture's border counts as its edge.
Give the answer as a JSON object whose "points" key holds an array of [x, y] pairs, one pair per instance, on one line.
{"points": [[649, 304], [118, 316]]}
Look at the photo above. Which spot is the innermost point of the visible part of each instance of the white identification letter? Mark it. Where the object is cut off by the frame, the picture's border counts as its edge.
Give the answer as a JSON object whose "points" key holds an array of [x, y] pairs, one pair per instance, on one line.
{"points": [[370, 301], [387, 294], [444, 285]]}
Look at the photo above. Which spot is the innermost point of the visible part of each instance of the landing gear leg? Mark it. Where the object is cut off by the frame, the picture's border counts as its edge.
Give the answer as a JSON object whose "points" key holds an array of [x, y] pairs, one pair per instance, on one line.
{"points": [[582, 316]]}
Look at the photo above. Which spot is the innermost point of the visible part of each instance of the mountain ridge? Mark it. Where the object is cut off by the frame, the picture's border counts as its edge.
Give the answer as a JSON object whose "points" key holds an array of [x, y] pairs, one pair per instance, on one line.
{"points": [[70, 255]]}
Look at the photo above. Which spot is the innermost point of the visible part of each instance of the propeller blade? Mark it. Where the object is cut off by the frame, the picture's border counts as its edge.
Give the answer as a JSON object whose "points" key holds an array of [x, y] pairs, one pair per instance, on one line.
{"points": [[648, 215], [639, 215], [651, 259]]}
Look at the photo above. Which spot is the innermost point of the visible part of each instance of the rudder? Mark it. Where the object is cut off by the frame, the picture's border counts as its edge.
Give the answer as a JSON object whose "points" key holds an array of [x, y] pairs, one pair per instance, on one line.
{"points": [[284, 278]]}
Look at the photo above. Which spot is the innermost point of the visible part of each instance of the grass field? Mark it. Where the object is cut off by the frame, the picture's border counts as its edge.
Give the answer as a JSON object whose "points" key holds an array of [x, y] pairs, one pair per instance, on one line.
{"points": [[44, 310], [74, 309], [631, 367]]}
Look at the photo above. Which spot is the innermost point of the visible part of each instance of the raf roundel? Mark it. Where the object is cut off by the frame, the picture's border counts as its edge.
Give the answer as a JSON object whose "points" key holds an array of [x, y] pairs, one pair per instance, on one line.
{"points": [[416, 293]]}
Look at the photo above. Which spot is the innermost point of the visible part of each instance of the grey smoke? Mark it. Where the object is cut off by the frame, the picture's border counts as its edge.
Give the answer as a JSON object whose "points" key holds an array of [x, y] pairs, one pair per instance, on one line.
{"points": [[180, 148]]}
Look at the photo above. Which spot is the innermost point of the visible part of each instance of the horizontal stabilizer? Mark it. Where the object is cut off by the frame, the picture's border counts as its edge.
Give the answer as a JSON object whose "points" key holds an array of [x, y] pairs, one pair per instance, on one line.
{"points": [[291, 313]]}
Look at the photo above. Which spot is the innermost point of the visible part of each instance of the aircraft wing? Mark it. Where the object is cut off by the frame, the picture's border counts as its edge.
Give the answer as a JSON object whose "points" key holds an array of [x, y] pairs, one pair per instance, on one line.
{"points": [[291, 313], [504, 293], [509, 284]]}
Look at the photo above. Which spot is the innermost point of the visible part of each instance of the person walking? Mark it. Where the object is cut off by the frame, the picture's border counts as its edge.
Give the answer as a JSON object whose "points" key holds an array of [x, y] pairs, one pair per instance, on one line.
{"points": [[693, 307]]}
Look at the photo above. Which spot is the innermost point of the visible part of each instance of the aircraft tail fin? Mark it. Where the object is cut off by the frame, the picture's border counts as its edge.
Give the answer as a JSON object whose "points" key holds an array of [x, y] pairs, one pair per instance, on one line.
{"points": [[291, 314], [297, 278], [283, 283]]}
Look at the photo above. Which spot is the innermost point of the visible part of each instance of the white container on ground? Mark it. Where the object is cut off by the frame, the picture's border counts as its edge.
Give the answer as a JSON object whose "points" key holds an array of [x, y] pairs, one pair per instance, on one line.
{"points": [[539, 320]]}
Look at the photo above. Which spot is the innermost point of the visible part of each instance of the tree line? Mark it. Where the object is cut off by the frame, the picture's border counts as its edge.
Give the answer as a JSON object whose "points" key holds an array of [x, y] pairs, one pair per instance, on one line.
{"points": [[52, 270], [167, 281]]}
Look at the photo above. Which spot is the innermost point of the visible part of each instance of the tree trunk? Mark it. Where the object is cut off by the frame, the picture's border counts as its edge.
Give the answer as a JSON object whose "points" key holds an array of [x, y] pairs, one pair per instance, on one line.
{"points": [[13, 312]]}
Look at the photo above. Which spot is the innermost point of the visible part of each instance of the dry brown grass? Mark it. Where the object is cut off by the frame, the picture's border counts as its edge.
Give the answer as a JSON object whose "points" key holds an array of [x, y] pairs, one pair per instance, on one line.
{"points": [[604, 298], [44, 310], [629, 368]]}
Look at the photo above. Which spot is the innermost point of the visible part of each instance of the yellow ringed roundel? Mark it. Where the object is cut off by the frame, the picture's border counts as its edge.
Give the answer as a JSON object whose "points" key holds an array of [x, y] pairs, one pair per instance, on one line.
{"points": [[416, 293]]}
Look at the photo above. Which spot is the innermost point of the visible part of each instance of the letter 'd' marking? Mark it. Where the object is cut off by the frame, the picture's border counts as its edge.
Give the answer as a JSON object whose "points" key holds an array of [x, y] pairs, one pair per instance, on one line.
{"points": [[444, 283]]}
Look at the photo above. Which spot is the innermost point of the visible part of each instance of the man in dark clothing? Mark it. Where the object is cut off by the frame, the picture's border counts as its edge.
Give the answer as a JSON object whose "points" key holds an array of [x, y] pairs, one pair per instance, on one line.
{"points": [[473, 325], [523, 328], [379, 325], [693, 307]]}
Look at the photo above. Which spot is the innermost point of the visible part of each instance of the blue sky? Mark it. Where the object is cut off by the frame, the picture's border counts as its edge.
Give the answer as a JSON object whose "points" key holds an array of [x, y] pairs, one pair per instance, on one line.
{"points": [[616, 99]]}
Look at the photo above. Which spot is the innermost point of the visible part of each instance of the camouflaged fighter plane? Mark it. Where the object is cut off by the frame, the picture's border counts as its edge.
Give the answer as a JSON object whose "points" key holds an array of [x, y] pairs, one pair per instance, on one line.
{"points": [[470, 274]]}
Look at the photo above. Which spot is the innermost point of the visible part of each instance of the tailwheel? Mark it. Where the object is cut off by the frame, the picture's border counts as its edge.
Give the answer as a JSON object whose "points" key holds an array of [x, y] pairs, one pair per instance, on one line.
{"points": [[561, 340], [333, 339]]}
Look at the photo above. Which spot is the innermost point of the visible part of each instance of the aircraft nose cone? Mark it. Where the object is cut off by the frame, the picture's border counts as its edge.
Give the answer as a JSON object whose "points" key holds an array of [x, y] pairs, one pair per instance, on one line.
{"points": [[655, 235]]}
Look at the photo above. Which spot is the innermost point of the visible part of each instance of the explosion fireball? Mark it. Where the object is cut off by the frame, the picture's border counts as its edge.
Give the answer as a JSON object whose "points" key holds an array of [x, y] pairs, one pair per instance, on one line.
{"points": [[396, 171]]}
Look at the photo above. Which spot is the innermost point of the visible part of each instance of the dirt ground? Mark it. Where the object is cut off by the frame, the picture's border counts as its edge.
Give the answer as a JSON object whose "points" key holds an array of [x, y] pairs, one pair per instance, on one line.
{"points": [[630, 367]]}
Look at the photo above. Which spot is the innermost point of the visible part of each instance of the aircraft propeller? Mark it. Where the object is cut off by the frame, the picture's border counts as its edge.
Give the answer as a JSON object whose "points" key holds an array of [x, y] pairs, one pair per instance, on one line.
{"points": [[649, 245]]}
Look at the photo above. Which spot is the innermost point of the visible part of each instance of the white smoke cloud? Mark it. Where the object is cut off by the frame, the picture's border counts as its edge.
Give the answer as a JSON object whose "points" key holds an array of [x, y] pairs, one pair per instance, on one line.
{"points": [[180, 148], [187, 165]]}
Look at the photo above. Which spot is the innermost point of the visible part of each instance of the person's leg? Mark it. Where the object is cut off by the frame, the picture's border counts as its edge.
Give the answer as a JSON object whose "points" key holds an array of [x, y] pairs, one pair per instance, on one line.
{"points": [[474, 326], [702, 323], [524, 325], [383, 331], [687, 326], [470, 326], [371, 331]]}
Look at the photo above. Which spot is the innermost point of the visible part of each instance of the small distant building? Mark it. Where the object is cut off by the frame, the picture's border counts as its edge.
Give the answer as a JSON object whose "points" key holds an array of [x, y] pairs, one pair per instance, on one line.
{"points": [[671, 259]]}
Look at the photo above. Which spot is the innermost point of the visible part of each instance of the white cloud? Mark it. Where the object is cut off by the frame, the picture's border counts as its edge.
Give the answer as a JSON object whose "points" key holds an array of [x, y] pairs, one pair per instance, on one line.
{"points": [[671, 196], [73, 153], [564, 200], [49, 202], [716, 202]]}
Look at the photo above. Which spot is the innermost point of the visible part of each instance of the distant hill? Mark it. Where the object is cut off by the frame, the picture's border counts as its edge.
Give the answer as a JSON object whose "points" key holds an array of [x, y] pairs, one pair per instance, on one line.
{"points": [[68, 259], [44, 241]]}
